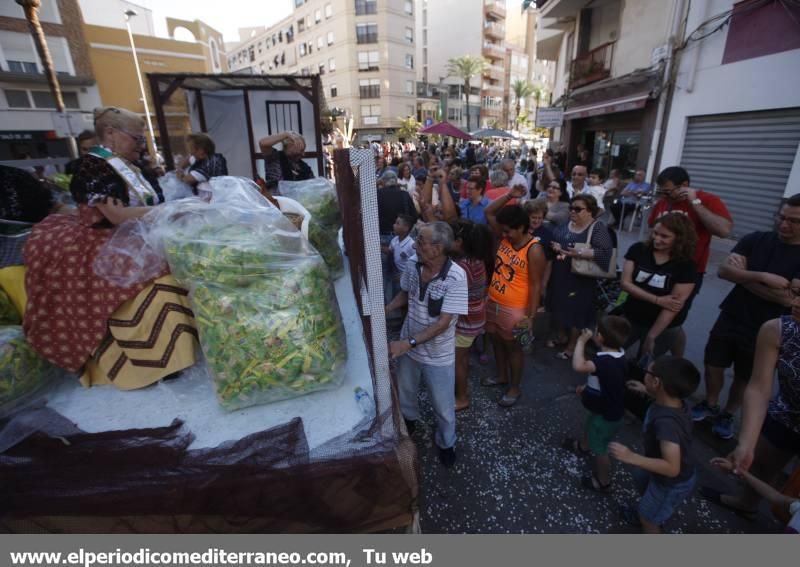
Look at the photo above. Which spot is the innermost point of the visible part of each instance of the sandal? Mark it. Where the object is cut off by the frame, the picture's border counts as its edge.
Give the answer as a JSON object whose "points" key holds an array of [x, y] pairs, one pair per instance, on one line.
{"points": [[573, 445], [715, 496], [489, 382], [591, 482], [460, 406], [507, 401], [564, 355]]}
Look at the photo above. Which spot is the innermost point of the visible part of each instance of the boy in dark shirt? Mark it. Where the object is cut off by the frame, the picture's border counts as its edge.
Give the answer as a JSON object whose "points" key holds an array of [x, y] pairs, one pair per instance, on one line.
{"points": [[665, 474], [603, 395]]}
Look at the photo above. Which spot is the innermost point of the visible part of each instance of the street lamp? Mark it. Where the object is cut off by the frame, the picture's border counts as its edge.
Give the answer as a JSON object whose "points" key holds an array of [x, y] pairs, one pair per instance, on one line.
{"points": [[151, 146]]}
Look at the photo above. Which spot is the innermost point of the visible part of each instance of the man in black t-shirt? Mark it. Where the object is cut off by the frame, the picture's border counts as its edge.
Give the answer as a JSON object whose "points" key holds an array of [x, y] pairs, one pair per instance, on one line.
{"points": [[761, 265]]}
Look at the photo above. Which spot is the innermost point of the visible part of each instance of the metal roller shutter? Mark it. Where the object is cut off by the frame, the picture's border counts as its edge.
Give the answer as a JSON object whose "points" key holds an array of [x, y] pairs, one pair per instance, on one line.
{"points": [[745, 159]]}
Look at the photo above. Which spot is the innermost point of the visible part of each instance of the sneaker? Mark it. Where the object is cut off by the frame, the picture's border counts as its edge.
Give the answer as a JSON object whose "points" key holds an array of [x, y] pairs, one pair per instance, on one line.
{"points": [[703, 411], [447, 457], [723, 426]]}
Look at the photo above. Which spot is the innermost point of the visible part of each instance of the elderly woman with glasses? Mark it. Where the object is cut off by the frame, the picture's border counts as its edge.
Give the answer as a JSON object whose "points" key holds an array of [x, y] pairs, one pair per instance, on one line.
{"points": [[128, 335], [570, 297]]}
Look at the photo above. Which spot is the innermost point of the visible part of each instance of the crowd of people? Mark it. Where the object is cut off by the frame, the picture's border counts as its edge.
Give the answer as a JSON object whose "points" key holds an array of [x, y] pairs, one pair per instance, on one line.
{"points": [[478, 244], [493, 251]]}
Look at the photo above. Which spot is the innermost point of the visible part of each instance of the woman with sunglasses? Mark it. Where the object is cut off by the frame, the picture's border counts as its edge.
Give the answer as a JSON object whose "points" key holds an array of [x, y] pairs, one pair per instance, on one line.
{"points": [[555, 195], [570, 297], [82, 322]]}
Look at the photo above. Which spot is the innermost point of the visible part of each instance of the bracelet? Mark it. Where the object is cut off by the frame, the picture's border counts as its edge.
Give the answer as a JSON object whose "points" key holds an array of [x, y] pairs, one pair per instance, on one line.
{"points": [[657, 298]]}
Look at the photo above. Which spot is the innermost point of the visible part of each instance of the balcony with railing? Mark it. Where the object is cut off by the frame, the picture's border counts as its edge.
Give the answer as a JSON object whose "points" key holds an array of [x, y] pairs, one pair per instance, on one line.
{"points": [[488, 89], [493, 50], [495, 8], [494, 72], [592, 66], [494, 30]]}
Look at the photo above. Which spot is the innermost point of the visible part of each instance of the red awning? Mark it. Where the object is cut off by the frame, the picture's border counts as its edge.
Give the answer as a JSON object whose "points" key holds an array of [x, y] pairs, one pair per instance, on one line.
{"points": [[446, 129]]}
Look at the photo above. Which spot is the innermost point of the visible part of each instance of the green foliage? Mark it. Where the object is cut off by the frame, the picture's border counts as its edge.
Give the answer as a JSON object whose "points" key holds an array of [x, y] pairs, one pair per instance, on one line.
{"points": [[409, 128], [23, 372]]}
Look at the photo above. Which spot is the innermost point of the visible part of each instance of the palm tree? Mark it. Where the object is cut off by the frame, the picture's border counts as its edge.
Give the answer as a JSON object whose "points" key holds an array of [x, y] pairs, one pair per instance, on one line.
{"points": [[465, 68], [522, 89], [539, 93]]}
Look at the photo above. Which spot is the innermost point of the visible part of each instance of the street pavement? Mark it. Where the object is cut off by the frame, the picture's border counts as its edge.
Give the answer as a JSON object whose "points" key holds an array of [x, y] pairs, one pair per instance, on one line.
{"points": [[512, 476]]}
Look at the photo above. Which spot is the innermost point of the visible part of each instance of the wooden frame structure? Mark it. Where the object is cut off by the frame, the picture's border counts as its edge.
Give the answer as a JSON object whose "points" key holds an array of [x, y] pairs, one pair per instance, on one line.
{"points": [[164, 85]]}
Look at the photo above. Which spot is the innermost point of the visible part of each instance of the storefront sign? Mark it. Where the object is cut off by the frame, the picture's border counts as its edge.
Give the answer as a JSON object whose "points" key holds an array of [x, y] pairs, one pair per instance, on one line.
{"points": [[549, 117]]}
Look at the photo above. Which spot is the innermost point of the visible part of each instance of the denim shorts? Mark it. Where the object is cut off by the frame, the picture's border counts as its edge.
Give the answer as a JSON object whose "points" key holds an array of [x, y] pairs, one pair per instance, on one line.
{"points": [[659, 501]]}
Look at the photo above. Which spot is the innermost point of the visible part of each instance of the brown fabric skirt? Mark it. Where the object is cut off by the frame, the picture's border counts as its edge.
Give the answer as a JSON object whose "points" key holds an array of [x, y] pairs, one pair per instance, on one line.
{"points": [[149, 337]]}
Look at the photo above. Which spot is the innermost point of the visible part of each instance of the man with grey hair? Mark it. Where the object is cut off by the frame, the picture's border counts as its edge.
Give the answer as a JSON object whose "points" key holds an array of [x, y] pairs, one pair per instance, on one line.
{"points": [[435, 290], [515, 178]]}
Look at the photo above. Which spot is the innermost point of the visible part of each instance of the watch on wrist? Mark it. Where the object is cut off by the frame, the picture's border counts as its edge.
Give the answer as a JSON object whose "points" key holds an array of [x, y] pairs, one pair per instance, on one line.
{"points": [[413, 342], [696, 202]]}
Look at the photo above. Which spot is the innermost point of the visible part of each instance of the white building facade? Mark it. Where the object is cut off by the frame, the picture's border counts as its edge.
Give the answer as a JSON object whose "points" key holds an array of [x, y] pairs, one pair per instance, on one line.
{"points": [[734, 117]]}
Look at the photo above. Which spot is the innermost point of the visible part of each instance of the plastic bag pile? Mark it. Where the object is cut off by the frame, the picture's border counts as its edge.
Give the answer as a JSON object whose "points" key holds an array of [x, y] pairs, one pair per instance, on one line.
{"points": [[263, 298], [318, 196], [23, 373]]}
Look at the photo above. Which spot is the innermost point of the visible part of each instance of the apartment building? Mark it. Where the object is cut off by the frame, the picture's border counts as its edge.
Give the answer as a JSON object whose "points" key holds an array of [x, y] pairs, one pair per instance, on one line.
{"points": [[27, 128], [611, 57], [363, 50], [453, 28], [522, 60]]}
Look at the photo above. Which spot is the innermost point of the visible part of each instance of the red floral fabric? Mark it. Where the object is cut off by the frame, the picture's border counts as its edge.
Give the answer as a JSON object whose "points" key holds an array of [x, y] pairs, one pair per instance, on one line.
{"points": [[68, 308]]}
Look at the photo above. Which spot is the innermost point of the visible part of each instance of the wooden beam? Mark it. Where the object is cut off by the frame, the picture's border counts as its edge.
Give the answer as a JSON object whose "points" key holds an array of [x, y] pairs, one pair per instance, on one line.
{"points": [[162, 122]]}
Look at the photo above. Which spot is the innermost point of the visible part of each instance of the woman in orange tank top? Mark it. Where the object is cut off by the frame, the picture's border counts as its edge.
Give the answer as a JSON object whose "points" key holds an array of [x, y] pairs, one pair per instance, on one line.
{"points": [[514, 292]]}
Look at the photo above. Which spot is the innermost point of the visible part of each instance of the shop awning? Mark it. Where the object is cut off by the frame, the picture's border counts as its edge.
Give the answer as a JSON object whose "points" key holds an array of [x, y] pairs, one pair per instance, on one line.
{"points": [[623, 104]]}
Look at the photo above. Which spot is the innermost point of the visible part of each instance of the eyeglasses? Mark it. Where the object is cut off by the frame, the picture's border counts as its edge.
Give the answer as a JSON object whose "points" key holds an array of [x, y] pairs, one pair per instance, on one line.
{"points": [[139, 139], [779, 218], [577, 209], [558, 187]]}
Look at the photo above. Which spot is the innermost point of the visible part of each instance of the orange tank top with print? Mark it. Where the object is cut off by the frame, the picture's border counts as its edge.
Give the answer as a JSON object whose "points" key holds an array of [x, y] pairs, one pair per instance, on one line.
{"points": [[510, 279]]}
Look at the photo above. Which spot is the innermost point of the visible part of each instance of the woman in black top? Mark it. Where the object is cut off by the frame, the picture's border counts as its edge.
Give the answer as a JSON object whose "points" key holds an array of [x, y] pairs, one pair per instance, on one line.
{"points": [[659, 277]]}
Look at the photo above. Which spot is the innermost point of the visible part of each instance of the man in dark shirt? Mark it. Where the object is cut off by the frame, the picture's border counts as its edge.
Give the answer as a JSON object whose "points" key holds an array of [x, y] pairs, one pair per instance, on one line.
{"points": [[761, 265], [286, 164], [392, 201]]}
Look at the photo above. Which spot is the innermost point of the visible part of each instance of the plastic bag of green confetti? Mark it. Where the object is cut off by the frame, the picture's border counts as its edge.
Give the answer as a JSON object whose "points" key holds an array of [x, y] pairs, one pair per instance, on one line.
{"points": [[319, 197], [8, 313], [263, 299], [23, 373]]}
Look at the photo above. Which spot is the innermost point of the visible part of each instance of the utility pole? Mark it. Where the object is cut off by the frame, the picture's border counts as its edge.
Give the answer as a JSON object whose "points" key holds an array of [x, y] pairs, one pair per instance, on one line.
{"points": [[31, 8]]}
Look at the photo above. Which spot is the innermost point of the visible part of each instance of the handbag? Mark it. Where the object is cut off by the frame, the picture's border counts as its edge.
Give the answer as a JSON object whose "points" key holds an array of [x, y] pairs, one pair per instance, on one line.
{"points": [[588, 267]]}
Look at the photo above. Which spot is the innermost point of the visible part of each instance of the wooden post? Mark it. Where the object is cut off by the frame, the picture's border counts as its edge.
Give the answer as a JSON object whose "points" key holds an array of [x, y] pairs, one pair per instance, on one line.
{"points": [[31, 8]]}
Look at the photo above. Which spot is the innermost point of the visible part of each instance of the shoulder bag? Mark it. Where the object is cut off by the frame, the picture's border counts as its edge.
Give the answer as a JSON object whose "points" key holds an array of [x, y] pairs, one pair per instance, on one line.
{"points": [[588, 267]]}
